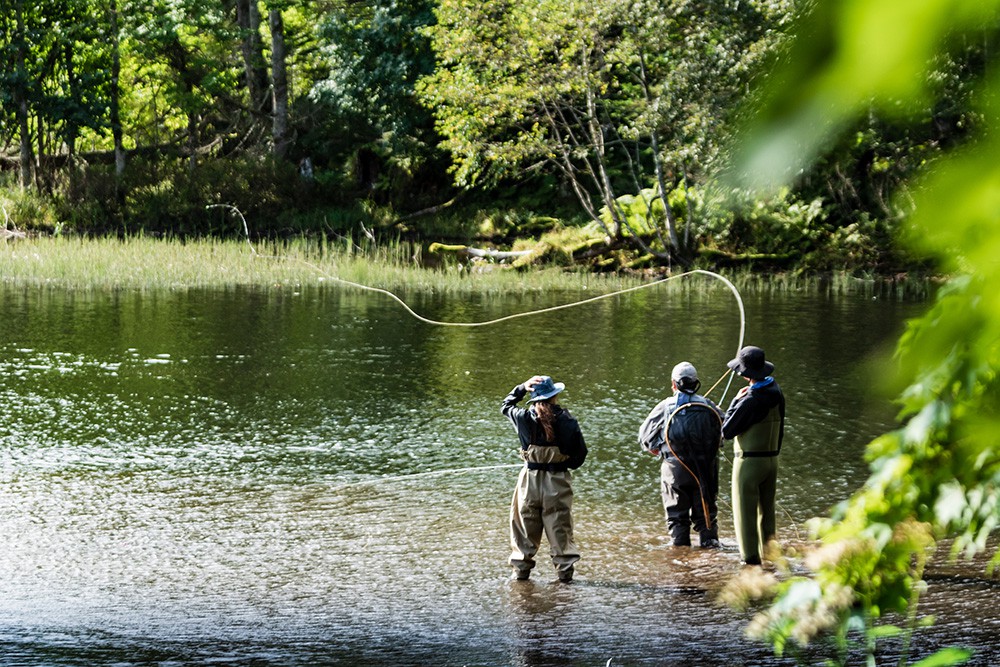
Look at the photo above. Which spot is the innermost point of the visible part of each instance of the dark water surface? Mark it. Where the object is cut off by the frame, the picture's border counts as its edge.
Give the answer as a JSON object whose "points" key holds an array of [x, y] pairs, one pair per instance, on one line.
{"points": [[261, 477]]}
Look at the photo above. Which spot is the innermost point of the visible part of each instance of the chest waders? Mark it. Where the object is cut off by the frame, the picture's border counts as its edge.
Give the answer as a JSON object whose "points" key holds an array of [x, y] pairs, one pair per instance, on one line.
{"points": [[542, 504], [755, 477], [695, 475]]}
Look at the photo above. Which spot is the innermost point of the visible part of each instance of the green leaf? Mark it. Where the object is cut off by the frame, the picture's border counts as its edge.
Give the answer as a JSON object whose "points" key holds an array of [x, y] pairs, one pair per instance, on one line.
{"points": [[883, 631], [945, 657]]}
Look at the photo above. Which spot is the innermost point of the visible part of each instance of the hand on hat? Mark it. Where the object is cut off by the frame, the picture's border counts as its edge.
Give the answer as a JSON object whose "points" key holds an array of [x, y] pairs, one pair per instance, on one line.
{"points": [[530, 383]]}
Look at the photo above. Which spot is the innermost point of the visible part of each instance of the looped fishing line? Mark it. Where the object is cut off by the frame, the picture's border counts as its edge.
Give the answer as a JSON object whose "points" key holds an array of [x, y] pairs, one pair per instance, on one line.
{"points": [[408, 309], [540, 311]]}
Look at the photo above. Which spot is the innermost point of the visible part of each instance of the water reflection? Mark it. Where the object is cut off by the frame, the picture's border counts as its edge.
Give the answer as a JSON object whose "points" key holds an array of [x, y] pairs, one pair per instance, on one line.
{"points": [[239, 477]]}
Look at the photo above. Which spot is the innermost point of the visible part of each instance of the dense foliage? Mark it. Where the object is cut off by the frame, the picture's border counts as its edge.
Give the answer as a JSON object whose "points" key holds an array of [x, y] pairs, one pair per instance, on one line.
{"points": [[447, 118], [621, 98], [937, 477]]}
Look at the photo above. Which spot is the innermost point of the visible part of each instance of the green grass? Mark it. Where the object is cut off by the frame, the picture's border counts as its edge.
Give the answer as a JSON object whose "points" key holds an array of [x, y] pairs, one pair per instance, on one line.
{"points": [[142, 263]]}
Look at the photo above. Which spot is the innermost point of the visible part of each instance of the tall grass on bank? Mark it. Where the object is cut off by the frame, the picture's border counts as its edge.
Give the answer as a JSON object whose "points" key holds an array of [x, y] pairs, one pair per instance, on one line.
{"points": [[141, 263], [144, 263]]}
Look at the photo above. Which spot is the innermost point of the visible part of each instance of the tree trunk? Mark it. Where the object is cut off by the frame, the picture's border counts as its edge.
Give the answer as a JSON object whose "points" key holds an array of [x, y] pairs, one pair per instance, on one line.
{"points": [[27, 157], [601, 178], [21, 102], [248, 19], [72, 131], [661, 180], [468, 251], [178, 59], [116, 122], [192, 142], [279, 75]]}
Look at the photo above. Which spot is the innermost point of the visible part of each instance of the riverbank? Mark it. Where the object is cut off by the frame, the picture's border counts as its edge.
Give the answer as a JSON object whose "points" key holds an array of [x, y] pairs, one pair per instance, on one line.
{"points": [[149, 263], [140, 263]]}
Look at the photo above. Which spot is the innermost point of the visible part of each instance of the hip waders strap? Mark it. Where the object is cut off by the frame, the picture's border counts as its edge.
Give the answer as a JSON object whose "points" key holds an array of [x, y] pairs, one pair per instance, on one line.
{"points": [[550, 467]]}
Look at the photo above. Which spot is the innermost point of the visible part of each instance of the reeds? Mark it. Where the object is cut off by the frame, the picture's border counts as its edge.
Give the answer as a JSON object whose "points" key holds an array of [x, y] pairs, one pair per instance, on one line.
{"points": [[145, 263], [141, 263], [897, 287]]}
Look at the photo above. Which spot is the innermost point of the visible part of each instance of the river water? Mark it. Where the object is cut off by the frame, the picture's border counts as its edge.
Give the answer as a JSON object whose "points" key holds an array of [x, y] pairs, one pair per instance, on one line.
{"points": [[313, 477]]}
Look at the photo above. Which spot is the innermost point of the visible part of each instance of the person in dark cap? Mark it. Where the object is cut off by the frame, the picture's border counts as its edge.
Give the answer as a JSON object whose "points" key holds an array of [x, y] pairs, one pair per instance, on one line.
{"points": [[685, 432], [551, 445], [755, 421]]}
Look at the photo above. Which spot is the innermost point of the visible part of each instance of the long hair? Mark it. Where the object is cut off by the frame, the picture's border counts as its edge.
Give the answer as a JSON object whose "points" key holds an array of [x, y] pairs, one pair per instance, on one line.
{"points": [[545, 414]]}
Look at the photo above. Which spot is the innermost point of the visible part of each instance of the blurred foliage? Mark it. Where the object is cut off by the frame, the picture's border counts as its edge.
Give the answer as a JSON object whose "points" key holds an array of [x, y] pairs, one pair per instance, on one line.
{"points": [[938, 475]]}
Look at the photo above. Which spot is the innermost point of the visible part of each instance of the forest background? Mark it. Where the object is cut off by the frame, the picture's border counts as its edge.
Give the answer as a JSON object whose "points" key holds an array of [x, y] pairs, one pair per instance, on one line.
{"points": [[587, 133]]}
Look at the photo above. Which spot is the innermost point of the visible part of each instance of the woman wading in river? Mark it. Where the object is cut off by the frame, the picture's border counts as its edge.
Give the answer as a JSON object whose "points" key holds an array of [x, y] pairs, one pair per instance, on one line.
{"points": [[551, 446]]}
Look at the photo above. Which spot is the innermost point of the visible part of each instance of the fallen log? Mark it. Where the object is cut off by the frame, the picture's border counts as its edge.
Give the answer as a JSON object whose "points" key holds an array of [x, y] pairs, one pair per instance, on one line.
{"points": [[467, 251]]}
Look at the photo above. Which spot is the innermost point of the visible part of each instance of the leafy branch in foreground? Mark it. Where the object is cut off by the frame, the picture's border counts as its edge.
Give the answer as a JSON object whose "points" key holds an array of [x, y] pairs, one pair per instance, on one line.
{"points": [[938, 475]]}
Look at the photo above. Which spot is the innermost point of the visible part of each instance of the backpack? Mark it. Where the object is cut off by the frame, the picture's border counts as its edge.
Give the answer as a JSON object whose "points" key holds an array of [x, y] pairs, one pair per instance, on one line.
{"points": [[694, 428]]}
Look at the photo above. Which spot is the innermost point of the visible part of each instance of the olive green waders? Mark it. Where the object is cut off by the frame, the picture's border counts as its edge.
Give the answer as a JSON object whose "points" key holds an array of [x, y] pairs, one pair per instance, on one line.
{"points": [[755, 481]]}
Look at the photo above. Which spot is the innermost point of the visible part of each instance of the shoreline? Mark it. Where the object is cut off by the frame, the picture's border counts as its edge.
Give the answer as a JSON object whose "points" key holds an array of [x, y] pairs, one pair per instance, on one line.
{"points": [[146, 263]]}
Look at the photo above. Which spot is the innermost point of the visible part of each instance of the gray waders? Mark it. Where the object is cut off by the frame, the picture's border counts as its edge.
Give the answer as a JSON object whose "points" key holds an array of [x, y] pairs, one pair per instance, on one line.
{"points": [[542, 504], [683, 498]]}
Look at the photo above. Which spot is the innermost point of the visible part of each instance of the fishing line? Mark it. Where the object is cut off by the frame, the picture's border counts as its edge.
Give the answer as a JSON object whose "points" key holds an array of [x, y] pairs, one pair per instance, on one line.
{"points": [[431, 473], [540, 311], [506, 318]]}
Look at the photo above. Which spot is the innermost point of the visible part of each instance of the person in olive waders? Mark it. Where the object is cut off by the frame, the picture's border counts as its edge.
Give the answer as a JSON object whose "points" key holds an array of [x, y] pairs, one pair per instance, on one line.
{"points": [[755, 421], [685, 432], [551, 446]]}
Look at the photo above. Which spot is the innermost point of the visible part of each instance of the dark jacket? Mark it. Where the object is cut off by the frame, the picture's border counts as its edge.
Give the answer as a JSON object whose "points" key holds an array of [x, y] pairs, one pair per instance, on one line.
{"points": [[568, 437], [755, 406]]}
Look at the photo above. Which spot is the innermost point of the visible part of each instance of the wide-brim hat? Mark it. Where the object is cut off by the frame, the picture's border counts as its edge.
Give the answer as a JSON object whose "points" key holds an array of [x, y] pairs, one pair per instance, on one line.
{"points": [[750, 363], [545, 388]]}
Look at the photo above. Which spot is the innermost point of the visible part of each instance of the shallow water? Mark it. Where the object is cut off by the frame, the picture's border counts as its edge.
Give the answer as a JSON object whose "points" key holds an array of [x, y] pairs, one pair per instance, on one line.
{"points": [[262, 476]]}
